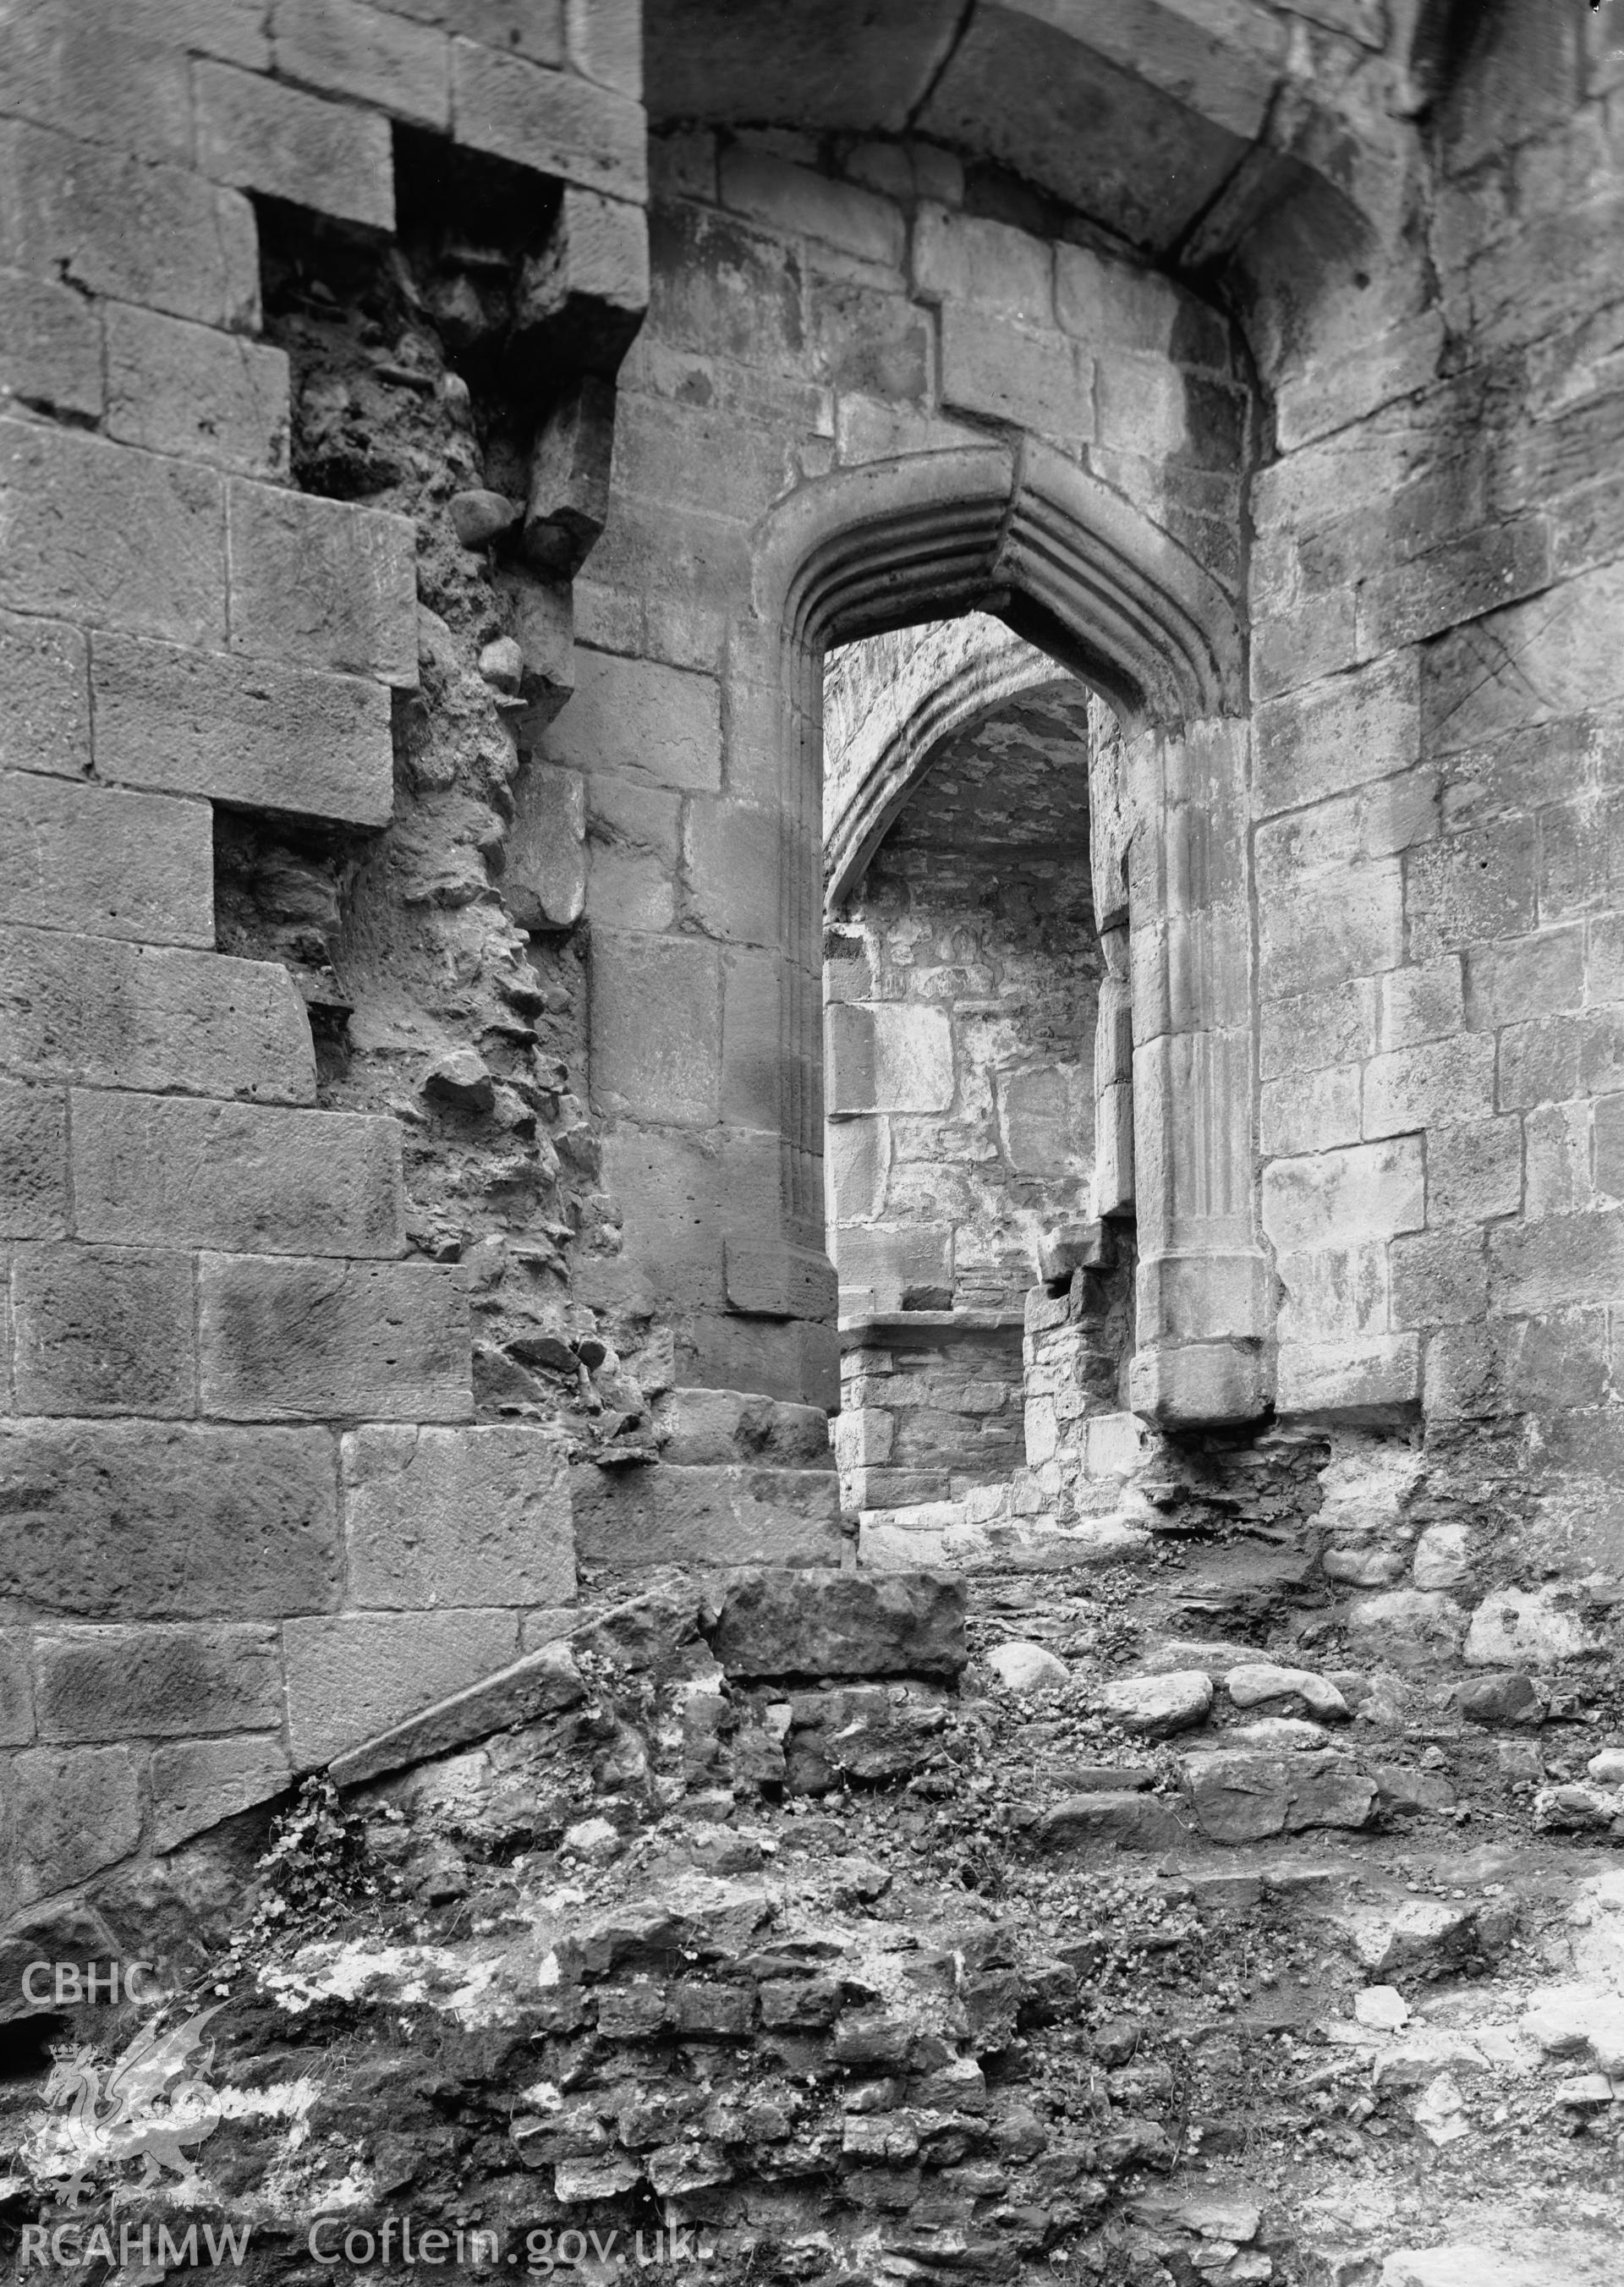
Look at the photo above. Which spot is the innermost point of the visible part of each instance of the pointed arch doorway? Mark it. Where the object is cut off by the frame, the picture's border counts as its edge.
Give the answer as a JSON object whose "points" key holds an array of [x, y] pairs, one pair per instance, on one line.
{"points": [[1020, 531]]}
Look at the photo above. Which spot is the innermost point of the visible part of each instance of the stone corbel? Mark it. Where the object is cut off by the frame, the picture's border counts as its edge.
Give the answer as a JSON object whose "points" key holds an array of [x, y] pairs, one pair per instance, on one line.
{"points": [[568, 503], [580, 302], [583, 298]]}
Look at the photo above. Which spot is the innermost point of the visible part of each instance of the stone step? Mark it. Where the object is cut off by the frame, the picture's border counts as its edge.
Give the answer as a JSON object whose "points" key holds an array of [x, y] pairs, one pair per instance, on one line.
{"points": [[630, 1519], [1524, 2258], [726, 1429], [951, 1533]]}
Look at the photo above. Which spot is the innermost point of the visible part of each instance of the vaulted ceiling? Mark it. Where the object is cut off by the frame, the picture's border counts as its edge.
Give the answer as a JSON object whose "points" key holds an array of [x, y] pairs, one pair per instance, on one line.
{"points": [[1170, 123]]}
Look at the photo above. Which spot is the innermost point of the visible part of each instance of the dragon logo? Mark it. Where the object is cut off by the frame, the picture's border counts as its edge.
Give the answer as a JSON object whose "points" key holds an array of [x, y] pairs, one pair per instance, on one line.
{"points": [[150, 2104]]}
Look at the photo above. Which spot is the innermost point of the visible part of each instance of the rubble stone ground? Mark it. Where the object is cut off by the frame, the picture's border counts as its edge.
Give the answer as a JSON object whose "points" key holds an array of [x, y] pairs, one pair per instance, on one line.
{"points": [[1153, 1925]]}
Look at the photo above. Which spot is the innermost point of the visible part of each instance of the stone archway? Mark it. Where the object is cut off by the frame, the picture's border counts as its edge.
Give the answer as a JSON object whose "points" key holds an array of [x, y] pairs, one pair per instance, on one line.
{"points": [[986, 667], [963, 975], [1020, 530]]}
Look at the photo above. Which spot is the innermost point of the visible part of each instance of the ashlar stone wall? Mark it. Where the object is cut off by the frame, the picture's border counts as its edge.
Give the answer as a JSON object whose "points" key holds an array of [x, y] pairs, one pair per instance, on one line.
{"points": [[249, 1513], [812, 316], [1347, 560], [1437, 601]]}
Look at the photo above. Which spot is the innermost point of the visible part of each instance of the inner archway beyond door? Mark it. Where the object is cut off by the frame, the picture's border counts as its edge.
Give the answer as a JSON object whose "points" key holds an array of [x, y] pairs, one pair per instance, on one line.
{"points": [[963, 976]]}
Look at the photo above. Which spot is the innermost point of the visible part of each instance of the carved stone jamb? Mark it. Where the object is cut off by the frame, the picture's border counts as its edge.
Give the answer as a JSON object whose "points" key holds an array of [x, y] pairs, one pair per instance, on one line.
{"points": [[1113, 1176]]}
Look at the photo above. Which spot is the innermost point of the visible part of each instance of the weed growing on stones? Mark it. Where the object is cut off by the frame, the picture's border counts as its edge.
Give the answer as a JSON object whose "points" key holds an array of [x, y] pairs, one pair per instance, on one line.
{"points": [[313, 1874]]}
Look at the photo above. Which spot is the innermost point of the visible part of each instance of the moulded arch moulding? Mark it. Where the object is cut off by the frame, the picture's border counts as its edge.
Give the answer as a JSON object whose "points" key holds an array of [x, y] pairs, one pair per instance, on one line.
{"points": [[876, 547], [1016, 530], [1156, 631]]}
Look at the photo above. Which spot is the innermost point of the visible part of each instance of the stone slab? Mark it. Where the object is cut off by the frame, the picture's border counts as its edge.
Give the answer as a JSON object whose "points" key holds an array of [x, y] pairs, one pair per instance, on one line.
{"points": [[103, 1330], [110, 224], [802, 203], [109, 863], [256, 732], [626, 1519], [91, 72], [197, 1783], [194, 392], [318, 583], [1122, 1820], [51, 346], [771, 1281], [282, 1338], [548, 120], [117, 1682], [785, 1623], [355, 1674], [448, 1517], [1341, 1197], [723, 1427], [262, 135], [544, 1682], [33, 1162], [44, 719], [65, 1814], [656, 1020], [257, 1180], [376, 58], [16, 1688], [1242, 1795], [657, 724], [543, 875], [102, 532], [1017, 87], [1191, 1383], [152, 1520], [112, 1014], [1039, 379]]}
